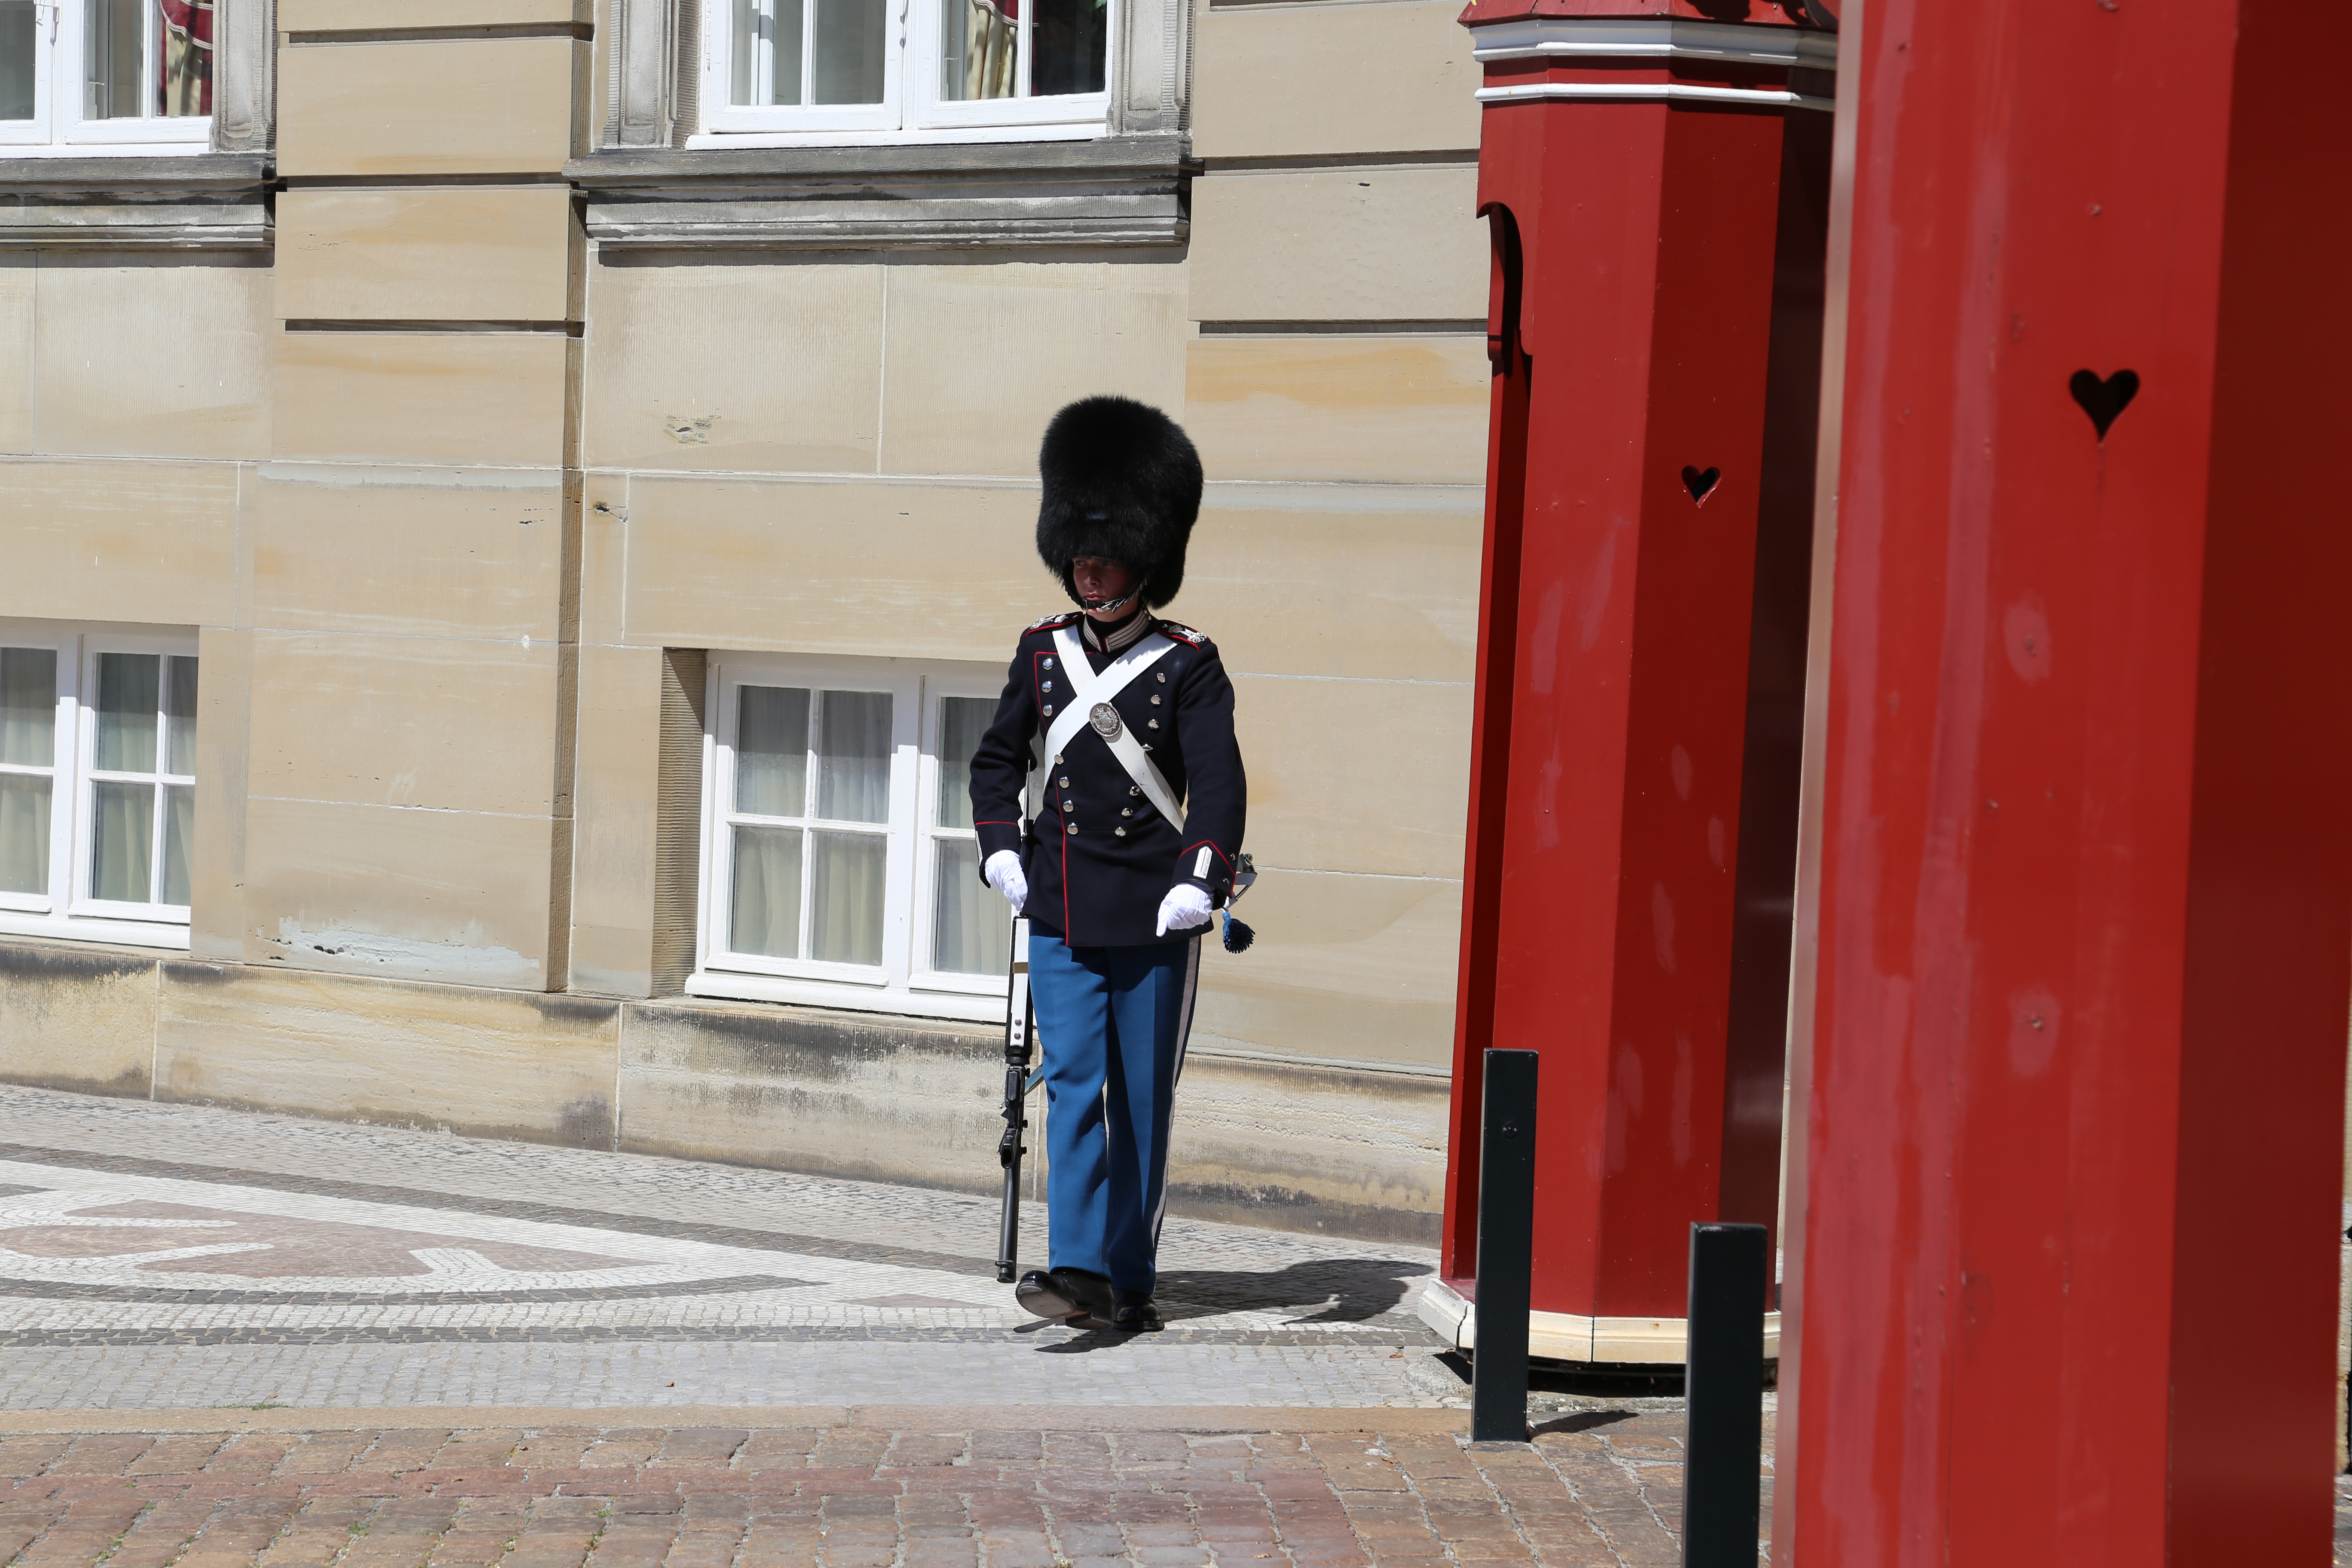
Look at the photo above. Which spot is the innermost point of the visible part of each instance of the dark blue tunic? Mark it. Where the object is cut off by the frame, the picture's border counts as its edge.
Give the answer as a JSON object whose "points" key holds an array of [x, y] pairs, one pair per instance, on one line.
{"points": [[1100, 858]]}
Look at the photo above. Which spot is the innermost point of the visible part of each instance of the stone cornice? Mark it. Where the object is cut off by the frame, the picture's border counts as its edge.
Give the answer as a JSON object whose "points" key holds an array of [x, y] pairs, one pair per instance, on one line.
{"points": [[1113, 191], [205, 201]]}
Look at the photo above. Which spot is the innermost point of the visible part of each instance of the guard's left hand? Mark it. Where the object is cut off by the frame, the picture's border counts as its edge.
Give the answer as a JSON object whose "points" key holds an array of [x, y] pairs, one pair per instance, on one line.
{"points": [[1185, 906]]}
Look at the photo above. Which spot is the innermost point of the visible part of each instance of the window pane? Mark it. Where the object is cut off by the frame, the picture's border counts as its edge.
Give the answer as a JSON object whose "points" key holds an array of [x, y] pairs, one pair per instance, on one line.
{"points": [[765, 63], [1066, 47], [180, 719], [766, 916], [846, 913], [963, 722], [23, 834], [122, 841], [853, 756], [111, 76], [16, 59], [186, 83], [981, 46], [128, 695], [29, 707], [972, 925], [772, 752], [178, 833], [848, 51]]}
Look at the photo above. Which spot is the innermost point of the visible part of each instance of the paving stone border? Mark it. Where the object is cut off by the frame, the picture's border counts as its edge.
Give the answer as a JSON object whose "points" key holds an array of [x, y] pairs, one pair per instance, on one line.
{"points": [[600, 1493], [66, 1290], [672, 1333]]}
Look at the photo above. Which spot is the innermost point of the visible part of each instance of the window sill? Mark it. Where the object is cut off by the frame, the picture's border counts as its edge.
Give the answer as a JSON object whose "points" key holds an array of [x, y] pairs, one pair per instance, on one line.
{"points": [[117, 933], [729, 986], [174, 201], [1103, 191], [1093, 130]]}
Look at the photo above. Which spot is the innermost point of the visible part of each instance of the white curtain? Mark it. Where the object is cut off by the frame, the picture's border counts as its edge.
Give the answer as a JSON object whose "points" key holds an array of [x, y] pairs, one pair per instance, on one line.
{"points": [[850, 38], [771, 750], [971, 928], [179, 834], [129, 689], [765, 917], [853, 757], [845, 901], [963, 722], [23, 834], [122, 840], [180, 717], [16, 45], [29, 707]]}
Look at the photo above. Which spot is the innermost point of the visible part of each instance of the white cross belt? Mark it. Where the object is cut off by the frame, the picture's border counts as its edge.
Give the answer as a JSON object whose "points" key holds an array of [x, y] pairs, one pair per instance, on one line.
{"points": [[1090, 693]]}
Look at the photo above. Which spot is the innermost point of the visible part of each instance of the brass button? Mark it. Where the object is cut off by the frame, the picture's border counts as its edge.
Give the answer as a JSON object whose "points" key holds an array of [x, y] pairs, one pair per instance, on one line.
{"points": [[1073, 827], [1154, 723], [1120, 831], [1049, 686], [1049, 662], [1065, 781], [1126, 811], [1057, 762], [1049, 711], [1155, 700], [1163, 677]]}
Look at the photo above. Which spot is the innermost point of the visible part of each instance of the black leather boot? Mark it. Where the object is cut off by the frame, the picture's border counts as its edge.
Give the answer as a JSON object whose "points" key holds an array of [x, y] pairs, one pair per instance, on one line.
{"points": [[1064, 1293], [1133, 1312]]}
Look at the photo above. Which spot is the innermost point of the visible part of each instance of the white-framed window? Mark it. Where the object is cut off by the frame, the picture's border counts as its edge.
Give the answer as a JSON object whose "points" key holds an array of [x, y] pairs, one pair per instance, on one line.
{"points": [[105, 76], [839, 864], [778, 72], [98, 783]]}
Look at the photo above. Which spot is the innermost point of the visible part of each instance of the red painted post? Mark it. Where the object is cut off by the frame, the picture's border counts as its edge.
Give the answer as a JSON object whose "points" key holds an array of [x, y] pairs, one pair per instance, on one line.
{"points": [[1655, 185], [2075, 1111]]}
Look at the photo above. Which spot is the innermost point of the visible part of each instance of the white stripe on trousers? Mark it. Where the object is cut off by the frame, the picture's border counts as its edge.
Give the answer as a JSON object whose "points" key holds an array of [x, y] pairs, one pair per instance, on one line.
{"points": [[1168, 1138]]}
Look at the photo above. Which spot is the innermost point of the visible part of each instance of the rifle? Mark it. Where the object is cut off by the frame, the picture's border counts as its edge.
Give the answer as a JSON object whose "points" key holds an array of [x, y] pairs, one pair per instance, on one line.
{"points": [[1020, 1025]]}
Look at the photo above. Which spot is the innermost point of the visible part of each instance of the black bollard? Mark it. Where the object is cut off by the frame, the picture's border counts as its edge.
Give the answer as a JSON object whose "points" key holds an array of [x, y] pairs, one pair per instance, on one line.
{"points": [[1723, 1388], [1506, 1219]]}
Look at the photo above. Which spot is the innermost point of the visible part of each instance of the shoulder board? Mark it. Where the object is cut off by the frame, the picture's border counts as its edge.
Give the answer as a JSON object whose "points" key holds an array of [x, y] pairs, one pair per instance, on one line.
{"points": [[1184, 633], [1063, 619]]}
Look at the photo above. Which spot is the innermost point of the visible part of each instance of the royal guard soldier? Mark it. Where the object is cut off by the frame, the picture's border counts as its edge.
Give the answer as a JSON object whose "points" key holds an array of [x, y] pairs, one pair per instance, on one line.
{"points": [[1121, 725]]}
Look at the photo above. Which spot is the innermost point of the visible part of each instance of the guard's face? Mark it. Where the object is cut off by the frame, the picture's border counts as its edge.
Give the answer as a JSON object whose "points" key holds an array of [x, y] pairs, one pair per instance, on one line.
{"points": [[1102, 583]]}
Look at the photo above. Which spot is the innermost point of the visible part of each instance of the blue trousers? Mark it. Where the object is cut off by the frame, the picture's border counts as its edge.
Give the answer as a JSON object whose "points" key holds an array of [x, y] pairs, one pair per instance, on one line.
{"points": [[1112, 1021]]}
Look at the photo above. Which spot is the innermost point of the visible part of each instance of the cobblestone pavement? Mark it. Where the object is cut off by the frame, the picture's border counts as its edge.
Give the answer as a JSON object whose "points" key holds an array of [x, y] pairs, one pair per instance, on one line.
{"points": [[158, 1256], [1600, 1489]]}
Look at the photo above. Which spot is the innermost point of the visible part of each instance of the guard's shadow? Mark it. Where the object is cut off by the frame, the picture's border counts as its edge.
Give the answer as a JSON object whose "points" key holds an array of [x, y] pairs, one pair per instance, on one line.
{"points": [[1082, 1340], [1339, 1289]]}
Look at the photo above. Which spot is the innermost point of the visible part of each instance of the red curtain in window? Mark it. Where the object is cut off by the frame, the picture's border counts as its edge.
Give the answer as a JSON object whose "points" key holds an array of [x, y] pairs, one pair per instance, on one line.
{"points": [[184, 84]]}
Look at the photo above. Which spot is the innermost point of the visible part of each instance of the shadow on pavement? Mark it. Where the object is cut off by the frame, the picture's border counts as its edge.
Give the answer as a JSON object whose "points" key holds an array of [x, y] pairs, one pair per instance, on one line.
{"points": [[1582, 1421], [1347, 1289]]}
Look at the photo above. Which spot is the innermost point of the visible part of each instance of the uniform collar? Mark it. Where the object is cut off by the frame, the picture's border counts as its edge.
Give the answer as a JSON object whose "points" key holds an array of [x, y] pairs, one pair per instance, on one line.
{"points": [[1119, 637]]}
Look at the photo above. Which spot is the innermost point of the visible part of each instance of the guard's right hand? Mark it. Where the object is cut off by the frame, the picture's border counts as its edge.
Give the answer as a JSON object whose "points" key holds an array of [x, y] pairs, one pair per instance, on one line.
{"points": [[1004, 873]]}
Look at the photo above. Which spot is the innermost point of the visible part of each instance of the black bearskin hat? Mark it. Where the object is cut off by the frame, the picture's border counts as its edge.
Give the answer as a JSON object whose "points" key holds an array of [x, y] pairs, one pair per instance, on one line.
{"points": [[1123, 483]]}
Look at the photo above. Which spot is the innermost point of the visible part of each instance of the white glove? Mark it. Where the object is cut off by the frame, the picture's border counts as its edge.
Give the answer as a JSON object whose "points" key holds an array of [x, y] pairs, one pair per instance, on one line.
{"points": [[1004, 873], [1185, 906]]}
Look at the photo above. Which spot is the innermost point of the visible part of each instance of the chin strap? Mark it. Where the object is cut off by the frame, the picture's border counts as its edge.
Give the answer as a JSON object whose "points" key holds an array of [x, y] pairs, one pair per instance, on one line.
{"points": [[1112, 604]]}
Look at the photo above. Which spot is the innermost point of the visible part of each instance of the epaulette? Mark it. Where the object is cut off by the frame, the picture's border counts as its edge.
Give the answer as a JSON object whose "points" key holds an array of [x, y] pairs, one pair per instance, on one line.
{"points": [[1063, 619], [1184, 633]]}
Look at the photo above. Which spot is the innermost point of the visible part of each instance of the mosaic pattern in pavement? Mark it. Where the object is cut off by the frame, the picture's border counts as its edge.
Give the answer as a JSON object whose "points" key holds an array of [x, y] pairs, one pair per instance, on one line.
{"points": [[134, 1278]]}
